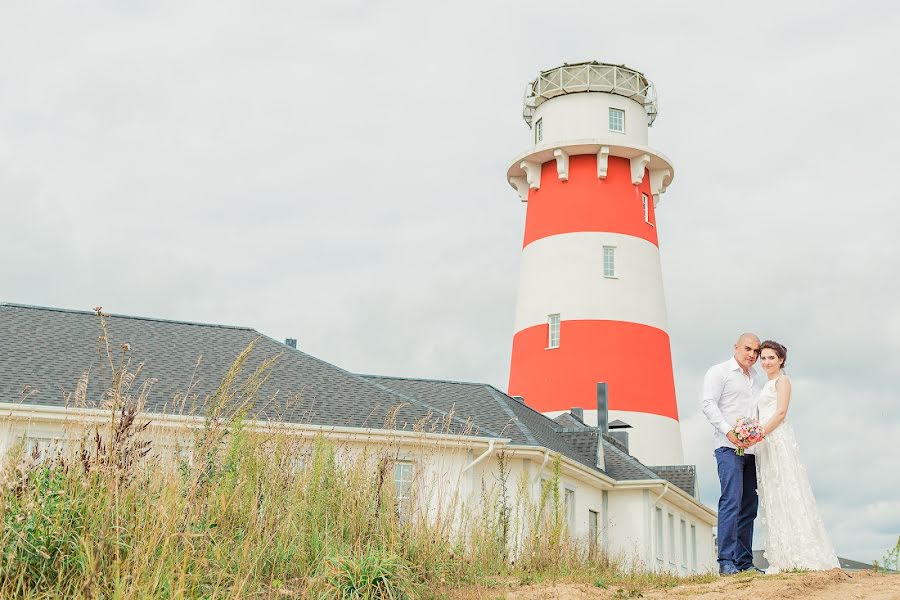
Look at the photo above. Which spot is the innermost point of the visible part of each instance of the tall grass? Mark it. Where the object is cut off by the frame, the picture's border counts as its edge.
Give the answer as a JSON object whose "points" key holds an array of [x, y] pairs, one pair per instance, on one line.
{"points": [[259, 513]]}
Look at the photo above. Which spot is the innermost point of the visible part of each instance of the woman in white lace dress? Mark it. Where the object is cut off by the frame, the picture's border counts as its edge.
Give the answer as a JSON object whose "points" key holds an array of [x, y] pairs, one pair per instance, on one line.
{"points": [[796, 535]]}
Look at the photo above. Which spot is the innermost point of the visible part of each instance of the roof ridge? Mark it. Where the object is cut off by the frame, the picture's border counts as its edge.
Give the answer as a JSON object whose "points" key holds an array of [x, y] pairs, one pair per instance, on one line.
{"points": [[671, 466], [120, 316], [429, 406], [552, 426], [509, 411], [553, 423], [421, 379], [578, 425]]}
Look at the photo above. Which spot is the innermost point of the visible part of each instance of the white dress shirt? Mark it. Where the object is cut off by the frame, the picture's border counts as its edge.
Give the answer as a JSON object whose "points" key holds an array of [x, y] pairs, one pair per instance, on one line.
{"points": [[728, 394]]}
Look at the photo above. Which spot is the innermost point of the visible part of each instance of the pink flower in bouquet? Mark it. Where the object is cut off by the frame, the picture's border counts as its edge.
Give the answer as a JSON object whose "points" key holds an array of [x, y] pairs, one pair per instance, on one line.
{"points": [[747, 430]]}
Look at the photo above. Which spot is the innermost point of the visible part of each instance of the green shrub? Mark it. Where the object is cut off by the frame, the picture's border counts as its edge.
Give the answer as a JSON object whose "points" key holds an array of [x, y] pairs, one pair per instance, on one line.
{"points": [[370, 575]]}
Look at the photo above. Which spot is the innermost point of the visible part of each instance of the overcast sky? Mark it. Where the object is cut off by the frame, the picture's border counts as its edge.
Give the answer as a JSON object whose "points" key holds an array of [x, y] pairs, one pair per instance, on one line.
{"points": [[335, 172]]}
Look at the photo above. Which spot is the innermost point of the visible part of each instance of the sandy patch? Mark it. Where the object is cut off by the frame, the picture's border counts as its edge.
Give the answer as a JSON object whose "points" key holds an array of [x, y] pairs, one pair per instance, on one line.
{"points": [[826, 585]]}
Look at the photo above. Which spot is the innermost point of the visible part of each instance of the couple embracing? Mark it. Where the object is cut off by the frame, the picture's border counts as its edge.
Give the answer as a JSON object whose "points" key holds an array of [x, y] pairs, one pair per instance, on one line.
{"points": [[765, 460]]}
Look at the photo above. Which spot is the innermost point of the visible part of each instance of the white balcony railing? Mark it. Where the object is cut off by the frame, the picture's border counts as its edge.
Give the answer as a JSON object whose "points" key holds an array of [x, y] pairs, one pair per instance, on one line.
{"points": [[590, 77]]}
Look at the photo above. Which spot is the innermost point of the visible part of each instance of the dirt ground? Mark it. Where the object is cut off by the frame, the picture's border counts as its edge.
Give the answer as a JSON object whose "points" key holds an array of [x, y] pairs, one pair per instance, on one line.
{"points": [[827, 585]]}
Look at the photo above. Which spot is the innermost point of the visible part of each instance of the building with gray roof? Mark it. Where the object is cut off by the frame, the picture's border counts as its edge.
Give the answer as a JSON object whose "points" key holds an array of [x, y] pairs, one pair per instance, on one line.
{"points": [[57, 362]]}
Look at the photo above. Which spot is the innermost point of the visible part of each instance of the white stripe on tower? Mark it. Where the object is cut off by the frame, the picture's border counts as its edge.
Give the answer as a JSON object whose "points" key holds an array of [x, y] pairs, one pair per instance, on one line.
{"points": [[553, 277]]}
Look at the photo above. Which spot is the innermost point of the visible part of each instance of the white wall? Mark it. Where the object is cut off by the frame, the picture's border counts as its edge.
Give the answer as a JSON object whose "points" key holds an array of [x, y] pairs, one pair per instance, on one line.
{"points": [[586, 116], [564, 274], [683, 553], [628, 527], [625, 529], [653, 439]]}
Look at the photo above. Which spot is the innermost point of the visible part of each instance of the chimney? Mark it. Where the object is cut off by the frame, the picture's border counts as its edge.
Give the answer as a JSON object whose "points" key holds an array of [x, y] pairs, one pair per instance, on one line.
{"points": [[621, 436], [577, 412], [618, 430], [291, 343], [603, 407]]}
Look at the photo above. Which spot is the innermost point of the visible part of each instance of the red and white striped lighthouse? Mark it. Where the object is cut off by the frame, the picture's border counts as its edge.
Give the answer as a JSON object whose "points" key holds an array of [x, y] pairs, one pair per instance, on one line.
{"points": [[590, 306]]}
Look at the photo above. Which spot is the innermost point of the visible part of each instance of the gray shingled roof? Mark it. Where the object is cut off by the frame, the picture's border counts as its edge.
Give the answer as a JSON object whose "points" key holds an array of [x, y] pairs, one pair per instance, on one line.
{"points": [[615, 441], [475, 401], [567, 421], [490, 408], [486, 405], [49, 349], [44, 352], [684, 476], [585, 443], [621, 465], [545, 431]]}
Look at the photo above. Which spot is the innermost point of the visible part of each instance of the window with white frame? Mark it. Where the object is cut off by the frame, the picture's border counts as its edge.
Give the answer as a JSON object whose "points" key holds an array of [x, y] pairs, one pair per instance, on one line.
{"points": [[38, 448], [646, 202], [660, 549], [693, 548], [683, 547], [570, 509], [617, 120], [538, 131], [671, 542], [185, 455], [593, 533], [604, 535], [297, 463], [402, 485], [553, 331], [609, 261]]}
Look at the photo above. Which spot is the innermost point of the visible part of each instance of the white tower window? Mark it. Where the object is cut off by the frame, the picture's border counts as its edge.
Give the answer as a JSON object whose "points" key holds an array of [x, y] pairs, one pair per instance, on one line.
{"points": [[538, 131], [609, 261], [617, 120], [646, 202], [553, 335]]}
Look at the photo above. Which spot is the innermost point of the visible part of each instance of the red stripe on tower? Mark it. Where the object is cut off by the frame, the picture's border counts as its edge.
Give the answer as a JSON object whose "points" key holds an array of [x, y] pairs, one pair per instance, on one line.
{"points": [[584, 202], [590, 307], [594, 350]]}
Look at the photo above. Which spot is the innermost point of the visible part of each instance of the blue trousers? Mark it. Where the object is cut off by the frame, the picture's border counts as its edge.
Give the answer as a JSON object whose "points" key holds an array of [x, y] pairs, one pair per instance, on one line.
{"points": [[737, 508]]}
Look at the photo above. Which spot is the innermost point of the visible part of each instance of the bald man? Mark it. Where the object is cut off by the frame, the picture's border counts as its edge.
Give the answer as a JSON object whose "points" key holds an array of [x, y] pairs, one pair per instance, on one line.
{"points": [[729, 392]]}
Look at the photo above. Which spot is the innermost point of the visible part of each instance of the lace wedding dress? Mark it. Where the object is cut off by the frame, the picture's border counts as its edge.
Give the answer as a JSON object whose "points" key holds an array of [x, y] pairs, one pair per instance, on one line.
{"points": [[796, 534]]}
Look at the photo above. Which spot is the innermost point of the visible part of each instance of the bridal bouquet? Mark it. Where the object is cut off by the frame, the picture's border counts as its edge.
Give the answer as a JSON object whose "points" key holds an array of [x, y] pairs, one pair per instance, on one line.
{"points": [[747, 430]]}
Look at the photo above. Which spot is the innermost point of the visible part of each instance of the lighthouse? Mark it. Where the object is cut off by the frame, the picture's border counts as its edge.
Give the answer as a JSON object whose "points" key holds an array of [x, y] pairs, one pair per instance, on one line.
{"points": [[591, 325]]}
